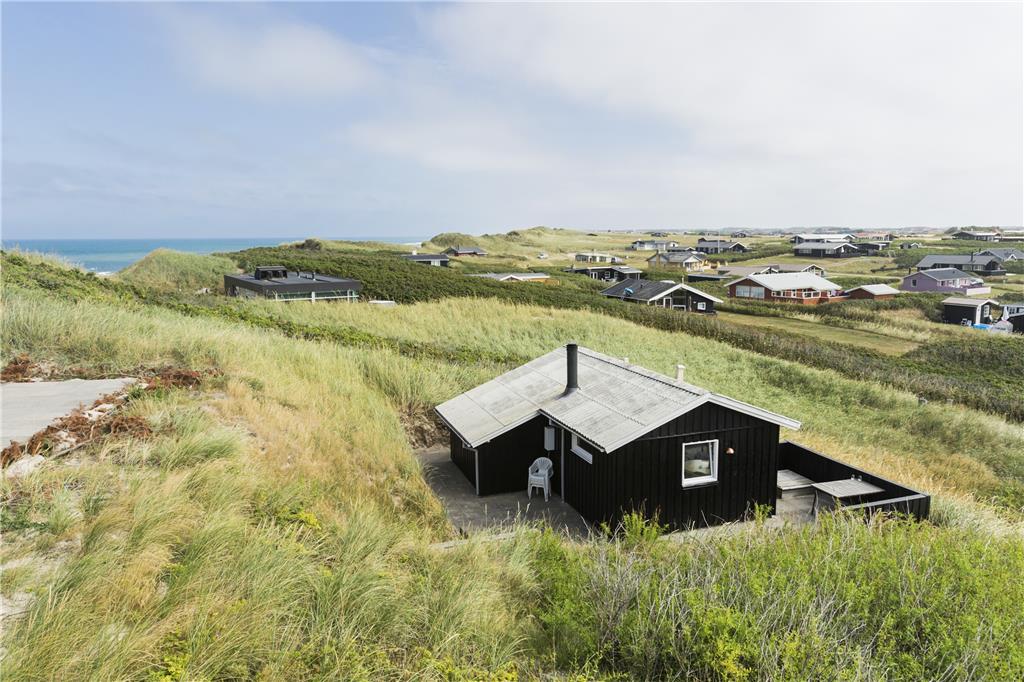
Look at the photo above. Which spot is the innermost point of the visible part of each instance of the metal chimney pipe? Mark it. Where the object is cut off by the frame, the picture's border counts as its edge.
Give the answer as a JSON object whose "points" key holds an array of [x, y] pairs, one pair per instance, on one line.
{"points": [[571, 368], [680, 372]]}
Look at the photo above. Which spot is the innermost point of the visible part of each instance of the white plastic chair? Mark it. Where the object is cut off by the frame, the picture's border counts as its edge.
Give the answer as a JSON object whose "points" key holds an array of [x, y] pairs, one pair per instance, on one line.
{"points": [[540, 475]]}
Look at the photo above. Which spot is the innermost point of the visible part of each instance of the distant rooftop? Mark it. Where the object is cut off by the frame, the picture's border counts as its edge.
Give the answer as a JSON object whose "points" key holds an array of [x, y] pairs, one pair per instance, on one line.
{"points": [[424, 256], [955, 259], [505, 276], [791, 280], [969, 302], [822, 246], [945, 274], [276, 275], [877, 289]]}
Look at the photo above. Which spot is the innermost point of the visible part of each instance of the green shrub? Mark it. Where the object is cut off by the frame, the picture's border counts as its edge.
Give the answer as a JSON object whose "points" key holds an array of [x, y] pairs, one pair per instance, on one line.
{"points": [[168, 270]]}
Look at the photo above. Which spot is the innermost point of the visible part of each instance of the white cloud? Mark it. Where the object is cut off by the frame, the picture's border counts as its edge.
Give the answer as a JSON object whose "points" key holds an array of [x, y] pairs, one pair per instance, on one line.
{"points": [[439, 129], [812, 113], [269, 57]]}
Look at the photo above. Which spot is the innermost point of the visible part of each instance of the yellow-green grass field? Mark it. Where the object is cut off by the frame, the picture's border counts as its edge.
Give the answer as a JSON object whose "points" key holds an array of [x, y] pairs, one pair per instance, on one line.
{"points": [[169, 270], [862, 265], [880, 428], [277, 526], [518, 249], [883, 343]]}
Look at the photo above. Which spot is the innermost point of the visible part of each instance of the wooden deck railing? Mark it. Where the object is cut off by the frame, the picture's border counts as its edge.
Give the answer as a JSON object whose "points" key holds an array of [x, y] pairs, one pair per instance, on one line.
{"points": [[821, 468]]}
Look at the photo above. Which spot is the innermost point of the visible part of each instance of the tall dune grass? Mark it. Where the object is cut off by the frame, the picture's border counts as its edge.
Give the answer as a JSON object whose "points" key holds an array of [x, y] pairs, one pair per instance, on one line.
{"points": [[300, 551], [169, 270], [935, 447], [287, 534]]}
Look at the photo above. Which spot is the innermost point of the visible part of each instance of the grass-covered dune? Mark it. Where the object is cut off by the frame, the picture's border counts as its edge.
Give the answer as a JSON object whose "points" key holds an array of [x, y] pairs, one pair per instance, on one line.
{"points": [[275, 525], [169, 270], [881, 428], [386, 276]]}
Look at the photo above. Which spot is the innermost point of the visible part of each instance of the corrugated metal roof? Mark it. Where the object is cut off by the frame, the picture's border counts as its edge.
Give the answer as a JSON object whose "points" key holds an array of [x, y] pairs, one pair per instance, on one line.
{"points": [[615, 404], [972, 302]]}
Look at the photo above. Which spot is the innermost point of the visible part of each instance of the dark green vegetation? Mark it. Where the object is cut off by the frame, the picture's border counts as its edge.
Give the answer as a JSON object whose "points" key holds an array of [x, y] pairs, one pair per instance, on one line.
{"points": [[905, 259], [386, 276], [761, 251], [724, 609], [169, 270], [933, 371]]}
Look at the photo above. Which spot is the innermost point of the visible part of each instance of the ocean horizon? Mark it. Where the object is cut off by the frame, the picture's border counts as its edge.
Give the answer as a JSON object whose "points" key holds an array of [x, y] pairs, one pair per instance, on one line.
{"points": [[111, 255]]}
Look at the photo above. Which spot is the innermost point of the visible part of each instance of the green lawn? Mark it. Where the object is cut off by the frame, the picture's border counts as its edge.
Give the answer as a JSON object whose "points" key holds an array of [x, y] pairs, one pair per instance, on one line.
{"points": [[863, 265], [882, 343]]}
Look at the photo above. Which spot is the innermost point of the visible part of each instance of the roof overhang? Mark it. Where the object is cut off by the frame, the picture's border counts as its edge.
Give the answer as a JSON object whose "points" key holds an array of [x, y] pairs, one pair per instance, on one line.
{"points": [[713, 398]]}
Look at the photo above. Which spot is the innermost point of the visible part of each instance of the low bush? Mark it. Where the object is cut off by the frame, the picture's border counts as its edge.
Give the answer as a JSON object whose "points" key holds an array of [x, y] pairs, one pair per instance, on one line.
{"points": [[168, 270], [890, 599]]}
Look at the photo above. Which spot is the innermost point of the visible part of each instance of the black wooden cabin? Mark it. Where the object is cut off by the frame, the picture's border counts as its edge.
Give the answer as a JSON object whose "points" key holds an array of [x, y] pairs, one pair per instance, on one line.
{"points": [[666, 294], [967, 311], [622, 438], [278, 283], [647, 474]]}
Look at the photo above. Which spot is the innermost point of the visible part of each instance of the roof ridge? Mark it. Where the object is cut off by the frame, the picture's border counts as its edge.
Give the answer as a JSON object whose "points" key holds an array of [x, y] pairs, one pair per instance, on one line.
{"points": [[649, 374]]}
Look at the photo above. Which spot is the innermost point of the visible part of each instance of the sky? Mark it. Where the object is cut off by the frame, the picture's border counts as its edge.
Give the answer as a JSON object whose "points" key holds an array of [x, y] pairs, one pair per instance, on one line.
{"points": [[290, 120]]}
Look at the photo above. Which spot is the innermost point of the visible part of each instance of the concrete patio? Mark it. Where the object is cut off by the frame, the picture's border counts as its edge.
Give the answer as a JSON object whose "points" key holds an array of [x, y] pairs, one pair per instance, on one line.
{"points": [[30, 407], [470, 513]]}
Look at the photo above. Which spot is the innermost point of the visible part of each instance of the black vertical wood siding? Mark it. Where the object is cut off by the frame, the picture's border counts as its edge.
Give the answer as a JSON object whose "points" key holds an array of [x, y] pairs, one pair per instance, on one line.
{"points": [[690, 300], [646, 475], [505, 461], [579, 481], [955, 313], [463, 458]]}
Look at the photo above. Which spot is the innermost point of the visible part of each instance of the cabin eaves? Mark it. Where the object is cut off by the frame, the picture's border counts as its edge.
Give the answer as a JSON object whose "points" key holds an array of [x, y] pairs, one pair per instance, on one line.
{"points": [[969, 302]]}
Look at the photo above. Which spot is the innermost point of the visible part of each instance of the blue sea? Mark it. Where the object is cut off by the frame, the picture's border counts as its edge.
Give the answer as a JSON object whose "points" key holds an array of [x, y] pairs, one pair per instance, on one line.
{"points": [[110, 255]]}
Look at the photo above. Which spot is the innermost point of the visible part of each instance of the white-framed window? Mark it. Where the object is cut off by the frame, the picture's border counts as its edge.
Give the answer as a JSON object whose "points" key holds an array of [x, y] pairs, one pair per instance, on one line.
{"points": [[583, 449], [743, 291], [700, 462], [701, 305]]}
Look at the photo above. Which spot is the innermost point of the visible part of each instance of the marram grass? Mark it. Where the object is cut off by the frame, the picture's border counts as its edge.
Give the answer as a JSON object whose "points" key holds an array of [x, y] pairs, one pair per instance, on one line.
{"points": [[288, 537]]}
